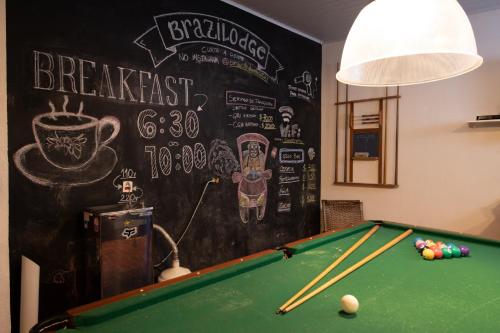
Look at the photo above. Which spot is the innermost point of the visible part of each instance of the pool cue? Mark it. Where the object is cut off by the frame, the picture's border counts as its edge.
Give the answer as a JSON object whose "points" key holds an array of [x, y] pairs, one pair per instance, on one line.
{"points": [[349, 270], [329, 268]]}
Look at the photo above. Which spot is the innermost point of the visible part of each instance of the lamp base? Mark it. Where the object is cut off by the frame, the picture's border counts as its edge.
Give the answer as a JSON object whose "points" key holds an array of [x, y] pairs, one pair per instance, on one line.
{"points": [[175, 271]]}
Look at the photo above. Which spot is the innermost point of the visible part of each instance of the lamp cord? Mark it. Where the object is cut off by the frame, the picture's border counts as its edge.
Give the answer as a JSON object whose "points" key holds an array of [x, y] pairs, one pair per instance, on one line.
{"points": [[213, 180]]}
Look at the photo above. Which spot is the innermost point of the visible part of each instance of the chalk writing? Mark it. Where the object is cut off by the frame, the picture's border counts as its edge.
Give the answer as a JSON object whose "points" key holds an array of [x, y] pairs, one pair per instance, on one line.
{"points": [[200, 156], [187, 159], [147, 129], [242, 98], [308, 195], [165, 161], [192, 124], [291, 155], [124, 183], [287, 169], [60, 73], [289, 179], [284, 207], [162, 158], [284, 191], [176, 29]]}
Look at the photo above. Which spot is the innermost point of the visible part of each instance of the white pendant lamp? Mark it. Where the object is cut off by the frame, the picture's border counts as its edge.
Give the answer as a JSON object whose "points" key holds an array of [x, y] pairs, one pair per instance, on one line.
{"points": [[402, 42]]}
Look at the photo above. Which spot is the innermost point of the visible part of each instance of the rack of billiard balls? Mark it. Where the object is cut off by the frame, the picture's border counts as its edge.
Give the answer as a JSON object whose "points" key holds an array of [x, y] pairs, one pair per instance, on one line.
{"points": [[430, 250]]}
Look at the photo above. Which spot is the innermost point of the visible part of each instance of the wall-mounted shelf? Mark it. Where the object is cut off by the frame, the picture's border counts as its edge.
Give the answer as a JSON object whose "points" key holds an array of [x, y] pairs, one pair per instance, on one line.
{"points": [[484, 123]]}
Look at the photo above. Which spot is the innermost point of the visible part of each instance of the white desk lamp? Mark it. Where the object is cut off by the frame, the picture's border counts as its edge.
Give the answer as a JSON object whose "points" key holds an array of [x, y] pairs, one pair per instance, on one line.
{"points": [[176, 270]]}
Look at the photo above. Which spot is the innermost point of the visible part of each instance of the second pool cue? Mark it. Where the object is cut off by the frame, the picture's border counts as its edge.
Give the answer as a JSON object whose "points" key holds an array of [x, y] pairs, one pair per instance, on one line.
{"points": [[349, 270], [330, 268]]}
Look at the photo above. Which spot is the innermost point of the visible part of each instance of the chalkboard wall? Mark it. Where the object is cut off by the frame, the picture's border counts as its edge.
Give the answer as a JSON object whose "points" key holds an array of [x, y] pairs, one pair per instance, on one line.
{"points": [[168, 95]]}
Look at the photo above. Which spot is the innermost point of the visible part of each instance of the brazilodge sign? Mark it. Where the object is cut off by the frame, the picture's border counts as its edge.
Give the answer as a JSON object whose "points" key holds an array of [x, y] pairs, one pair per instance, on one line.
{"points": [[176, 29]]}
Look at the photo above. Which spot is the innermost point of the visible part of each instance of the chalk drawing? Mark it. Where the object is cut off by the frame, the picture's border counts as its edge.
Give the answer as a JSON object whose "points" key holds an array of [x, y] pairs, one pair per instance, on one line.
{"points": [[204, 99], [69, 149], [173, 144], [125, 174], [221, 159], [307, 80], [252, 181], [311, 153], [125, 183], [287, 129]]}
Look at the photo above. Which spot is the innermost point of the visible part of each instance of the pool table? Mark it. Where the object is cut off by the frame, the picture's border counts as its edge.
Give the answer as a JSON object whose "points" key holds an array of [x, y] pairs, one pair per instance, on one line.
{"points": [[398, 291]]}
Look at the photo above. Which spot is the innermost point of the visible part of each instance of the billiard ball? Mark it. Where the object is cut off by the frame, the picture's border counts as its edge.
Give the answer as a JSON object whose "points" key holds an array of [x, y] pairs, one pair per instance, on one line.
{"points": [[349, 304], [438, 253], [464, 250], [455, 252], [420, 246], [446, 252], [428, 254], [419, 243]]}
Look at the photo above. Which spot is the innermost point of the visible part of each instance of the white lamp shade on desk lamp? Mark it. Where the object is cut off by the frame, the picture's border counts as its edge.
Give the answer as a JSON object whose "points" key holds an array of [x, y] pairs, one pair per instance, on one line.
{"points": [[402, 42]]}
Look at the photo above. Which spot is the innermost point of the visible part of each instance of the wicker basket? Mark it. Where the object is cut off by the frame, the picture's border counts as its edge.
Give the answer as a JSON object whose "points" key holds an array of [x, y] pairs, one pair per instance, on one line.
{"points": [[340, 214]]}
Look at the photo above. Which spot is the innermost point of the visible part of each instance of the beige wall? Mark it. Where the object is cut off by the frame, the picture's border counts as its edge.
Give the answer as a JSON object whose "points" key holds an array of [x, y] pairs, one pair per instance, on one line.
{"points": [[4, 188], [449, 174]]}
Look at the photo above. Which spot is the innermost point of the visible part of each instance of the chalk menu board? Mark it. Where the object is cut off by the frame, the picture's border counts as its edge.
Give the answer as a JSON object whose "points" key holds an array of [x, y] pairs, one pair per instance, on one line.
{"points": [[157, 97], [366, 143]]}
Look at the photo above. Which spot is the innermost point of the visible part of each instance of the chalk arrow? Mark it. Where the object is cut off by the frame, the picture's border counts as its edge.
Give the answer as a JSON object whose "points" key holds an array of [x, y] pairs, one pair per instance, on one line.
{"points": [[200, 107], [117, 186]]}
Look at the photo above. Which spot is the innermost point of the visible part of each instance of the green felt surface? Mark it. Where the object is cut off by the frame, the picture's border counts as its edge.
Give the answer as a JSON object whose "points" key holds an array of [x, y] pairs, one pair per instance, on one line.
{"points": [[398, 292]]}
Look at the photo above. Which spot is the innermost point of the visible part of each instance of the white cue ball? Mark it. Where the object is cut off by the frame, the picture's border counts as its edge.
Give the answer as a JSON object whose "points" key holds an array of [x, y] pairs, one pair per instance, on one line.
{"points": [[349, 304]]}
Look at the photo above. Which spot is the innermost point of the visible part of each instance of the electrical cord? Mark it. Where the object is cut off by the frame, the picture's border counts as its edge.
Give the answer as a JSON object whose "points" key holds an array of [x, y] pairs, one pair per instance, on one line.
{"points": [[213, 180]]}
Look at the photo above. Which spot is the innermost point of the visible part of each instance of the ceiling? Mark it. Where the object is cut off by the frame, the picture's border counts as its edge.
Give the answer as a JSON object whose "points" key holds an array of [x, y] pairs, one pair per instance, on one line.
{"points": [[330, 20]]}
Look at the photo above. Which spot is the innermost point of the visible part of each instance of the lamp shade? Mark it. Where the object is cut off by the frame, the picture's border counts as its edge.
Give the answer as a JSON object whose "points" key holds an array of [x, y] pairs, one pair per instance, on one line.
{"points": [[402, 42]]}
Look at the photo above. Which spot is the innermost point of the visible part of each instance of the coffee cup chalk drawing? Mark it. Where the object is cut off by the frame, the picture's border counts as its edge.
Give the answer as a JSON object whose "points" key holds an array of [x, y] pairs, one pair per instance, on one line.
{"points": [[69, 148]]}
